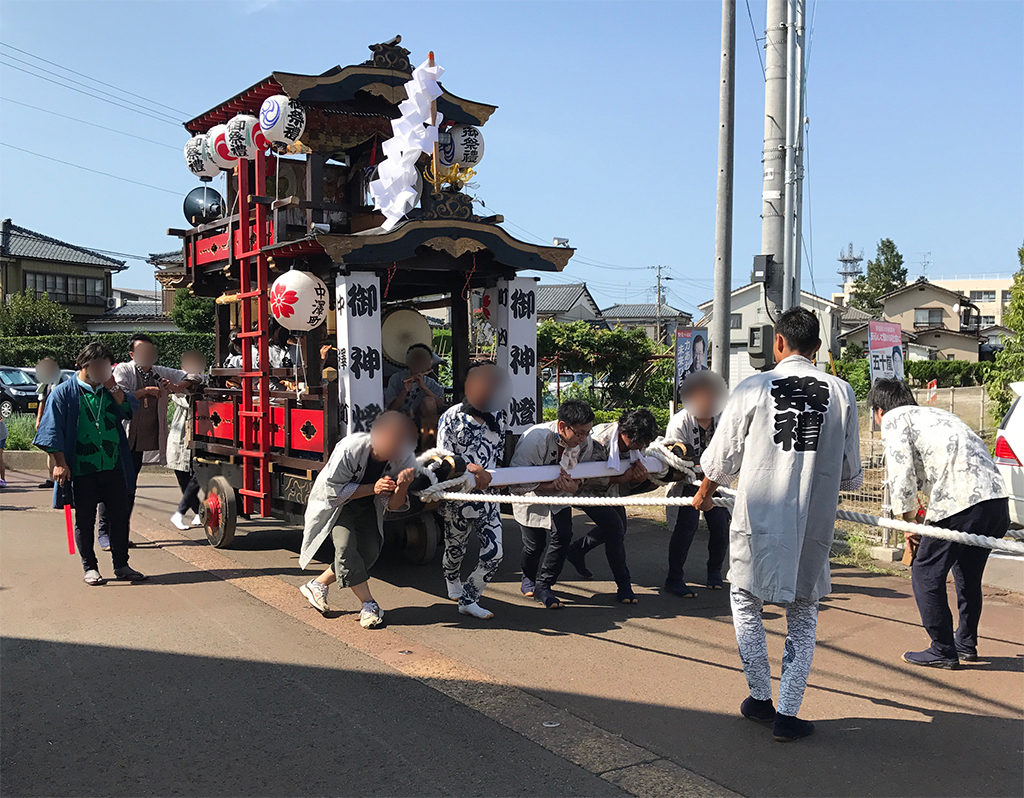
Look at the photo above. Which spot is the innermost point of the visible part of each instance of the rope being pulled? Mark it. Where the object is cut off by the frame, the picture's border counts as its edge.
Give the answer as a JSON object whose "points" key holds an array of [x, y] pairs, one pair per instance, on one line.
{"points": [[727, 500]]}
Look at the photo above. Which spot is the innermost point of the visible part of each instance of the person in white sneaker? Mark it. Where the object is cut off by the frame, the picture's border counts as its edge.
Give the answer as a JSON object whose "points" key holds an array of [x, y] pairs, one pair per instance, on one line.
{"points": [[367, 474], [179, 436], [474, 430]]}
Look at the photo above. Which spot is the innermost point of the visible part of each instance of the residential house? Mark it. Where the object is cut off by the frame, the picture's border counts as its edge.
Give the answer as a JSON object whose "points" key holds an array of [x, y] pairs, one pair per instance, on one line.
{"points": [[123, 295], [566, 303], [645, 316], [748, 310], [75, 277], [991, 294], [913, 348], [133, 316], [170, 273], [940, 318]]}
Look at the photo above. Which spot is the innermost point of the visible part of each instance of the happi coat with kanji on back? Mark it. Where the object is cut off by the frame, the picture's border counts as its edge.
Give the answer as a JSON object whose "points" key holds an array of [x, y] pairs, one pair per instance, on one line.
{"points": [[791, 436]]}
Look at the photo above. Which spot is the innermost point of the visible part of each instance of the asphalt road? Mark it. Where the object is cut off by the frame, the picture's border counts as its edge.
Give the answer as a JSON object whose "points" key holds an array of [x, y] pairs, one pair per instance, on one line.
{"points": [[214, 678]]}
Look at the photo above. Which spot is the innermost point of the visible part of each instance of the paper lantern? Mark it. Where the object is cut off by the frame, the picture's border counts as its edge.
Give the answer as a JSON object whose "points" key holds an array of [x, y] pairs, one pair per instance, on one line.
{"points": [[198, 158], [282, 120], [298, 300], [258, 138], [240, 136], [217, 137], [461, 144]]}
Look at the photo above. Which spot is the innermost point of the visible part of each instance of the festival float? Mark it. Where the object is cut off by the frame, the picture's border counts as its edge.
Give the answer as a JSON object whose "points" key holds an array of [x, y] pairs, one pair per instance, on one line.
{"points": [[344, 216]]}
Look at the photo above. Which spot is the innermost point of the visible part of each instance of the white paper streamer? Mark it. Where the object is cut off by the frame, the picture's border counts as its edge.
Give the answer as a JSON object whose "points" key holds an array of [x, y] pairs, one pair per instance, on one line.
{"points": [[394, 190]]}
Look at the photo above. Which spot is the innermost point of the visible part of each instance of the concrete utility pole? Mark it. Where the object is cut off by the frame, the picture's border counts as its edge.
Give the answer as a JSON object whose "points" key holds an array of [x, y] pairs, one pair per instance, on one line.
{"points": [[722, 313], [798, 155], [658, 306], [774, 153]]}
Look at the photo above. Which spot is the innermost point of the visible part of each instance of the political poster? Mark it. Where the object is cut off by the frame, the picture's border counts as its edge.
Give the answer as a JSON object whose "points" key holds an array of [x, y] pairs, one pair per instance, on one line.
{"points": [[691, 353], [885, 350]]}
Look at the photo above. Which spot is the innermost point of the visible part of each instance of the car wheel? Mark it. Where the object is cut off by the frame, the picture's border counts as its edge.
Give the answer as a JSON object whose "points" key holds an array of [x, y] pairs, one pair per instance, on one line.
{"points": [[6, 408]]}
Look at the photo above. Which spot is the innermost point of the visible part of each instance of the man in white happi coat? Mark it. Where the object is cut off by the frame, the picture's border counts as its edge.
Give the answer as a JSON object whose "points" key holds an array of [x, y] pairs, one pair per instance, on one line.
{"points": [[791, 435]]}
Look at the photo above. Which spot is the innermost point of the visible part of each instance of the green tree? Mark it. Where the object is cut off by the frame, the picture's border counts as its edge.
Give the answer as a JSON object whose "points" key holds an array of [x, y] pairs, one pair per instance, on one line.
{"points": [[885, 274], [1009, 364], [27, 314], [193, 313]]}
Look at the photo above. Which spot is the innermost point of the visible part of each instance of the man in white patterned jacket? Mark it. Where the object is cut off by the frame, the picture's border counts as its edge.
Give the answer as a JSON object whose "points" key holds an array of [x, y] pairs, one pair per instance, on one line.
{"points": [[474, 430], [791, 435], [932, 450]]}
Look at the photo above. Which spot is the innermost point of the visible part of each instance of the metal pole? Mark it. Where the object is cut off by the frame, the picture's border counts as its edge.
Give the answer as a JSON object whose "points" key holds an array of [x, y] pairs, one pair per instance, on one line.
{"points": [[720, 317], [658, 311], [787, 204], [774, 130], [798, 176]]}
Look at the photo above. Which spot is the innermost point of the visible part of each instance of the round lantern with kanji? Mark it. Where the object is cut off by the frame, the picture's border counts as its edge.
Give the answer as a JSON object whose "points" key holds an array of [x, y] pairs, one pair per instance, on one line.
{"points": [[244, 136], [299, 300], [282, 120], [199, 158], [461, 144], [217, 137]]}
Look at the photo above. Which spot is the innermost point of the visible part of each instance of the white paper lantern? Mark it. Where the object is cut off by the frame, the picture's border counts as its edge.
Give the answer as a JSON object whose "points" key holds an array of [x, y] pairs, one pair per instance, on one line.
{"points": [[217, 138], [282, 119], [461, 144], [198, 157], [258, 138], [298, 300], [239, 136]]}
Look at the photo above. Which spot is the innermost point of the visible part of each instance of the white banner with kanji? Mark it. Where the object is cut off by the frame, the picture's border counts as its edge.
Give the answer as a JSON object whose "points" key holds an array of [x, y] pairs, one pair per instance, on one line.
{"points": [[360, 379], [513, 310]]}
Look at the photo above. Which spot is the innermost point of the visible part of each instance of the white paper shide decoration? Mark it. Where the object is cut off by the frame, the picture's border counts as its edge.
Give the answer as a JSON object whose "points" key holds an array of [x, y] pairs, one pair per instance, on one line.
{"points": [[198, 157], [298, 300], [394, 190], [282, 120]]}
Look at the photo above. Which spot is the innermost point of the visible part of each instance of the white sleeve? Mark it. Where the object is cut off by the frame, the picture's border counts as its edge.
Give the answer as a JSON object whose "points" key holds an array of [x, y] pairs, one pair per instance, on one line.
{"points": [[853, 472], [901, 476], [722, 459]]}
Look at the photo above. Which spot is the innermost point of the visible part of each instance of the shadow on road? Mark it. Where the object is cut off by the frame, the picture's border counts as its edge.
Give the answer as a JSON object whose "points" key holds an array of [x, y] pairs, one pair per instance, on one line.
{"points": [[95, 720]]}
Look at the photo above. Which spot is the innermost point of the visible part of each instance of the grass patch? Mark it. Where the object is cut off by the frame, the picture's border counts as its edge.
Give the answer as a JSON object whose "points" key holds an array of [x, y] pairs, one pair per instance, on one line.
{"points": [[851, 548], [21, 429]]}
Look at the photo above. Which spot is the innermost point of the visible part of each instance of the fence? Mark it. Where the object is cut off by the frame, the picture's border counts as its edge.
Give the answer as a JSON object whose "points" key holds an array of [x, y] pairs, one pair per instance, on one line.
{"points": [[971, 404]]}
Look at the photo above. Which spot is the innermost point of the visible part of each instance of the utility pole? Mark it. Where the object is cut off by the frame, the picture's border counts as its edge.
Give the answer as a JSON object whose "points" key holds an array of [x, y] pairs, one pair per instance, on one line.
{"points": [[792, 124], [722, 313], [774, 153], [658, 307], [798, 150]]}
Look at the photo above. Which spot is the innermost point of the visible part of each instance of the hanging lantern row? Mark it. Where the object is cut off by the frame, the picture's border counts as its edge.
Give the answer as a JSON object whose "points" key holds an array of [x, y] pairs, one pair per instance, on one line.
{"points": [[281, 121]]}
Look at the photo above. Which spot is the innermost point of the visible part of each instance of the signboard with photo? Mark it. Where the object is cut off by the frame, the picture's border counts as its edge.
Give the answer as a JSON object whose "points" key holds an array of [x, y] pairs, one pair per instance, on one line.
{"points": [[885, 350], [691, 353]]}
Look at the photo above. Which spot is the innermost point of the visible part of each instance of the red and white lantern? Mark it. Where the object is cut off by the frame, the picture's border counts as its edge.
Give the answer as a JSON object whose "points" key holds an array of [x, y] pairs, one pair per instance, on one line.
{"points": [[217, 138], [298, 300], [198, 157], [241, 132]]}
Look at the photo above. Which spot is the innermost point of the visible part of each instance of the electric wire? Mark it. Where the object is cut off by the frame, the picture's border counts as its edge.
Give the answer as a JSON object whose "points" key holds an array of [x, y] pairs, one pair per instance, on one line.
{"points": [[94, 80], [110, 252], [89, 169], [757, 46], [90, 94], [91, 124]]}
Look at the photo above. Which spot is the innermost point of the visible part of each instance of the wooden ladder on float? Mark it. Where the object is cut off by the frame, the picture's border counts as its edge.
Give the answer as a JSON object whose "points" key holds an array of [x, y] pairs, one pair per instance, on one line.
{"points": [[254, 277]]}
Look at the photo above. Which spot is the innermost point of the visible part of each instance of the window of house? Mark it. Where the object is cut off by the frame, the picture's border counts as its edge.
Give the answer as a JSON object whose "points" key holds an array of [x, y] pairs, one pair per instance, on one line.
{"points": [[735, 321], [927, 317], [950, 357], [1006, 298], [65, 288], [988, 321], [983, 296]]}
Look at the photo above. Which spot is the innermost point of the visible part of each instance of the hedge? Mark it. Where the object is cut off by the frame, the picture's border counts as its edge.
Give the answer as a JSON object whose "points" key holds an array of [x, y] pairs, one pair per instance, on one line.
{"points": [[26, 351], [948, 373], [602, 416]]}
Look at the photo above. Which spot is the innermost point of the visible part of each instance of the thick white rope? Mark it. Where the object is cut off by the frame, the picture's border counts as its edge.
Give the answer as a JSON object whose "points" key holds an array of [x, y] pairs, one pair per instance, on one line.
{"points": [[727, 500]]}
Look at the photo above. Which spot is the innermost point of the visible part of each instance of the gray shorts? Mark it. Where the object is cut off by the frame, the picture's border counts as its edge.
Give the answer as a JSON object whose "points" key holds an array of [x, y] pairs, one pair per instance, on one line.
{"points": [[357, 542]]}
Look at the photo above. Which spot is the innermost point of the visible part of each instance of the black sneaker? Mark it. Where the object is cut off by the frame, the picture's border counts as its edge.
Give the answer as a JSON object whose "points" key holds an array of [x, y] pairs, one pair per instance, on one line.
{"points": [[714, 580], [788, 728], [930, 660], [967, 654], [677, 587], [128, 574], [758, 710]]}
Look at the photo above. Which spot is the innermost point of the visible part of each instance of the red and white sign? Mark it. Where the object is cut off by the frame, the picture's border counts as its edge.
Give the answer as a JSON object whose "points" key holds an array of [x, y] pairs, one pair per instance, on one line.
{"points": [[885, 350], [933, 391]]}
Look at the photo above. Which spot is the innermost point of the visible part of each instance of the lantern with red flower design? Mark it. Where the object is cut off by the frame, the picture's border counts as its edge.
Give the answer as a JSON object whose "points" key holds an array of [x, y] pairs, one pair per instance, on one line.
{"points": [[299, 300]]}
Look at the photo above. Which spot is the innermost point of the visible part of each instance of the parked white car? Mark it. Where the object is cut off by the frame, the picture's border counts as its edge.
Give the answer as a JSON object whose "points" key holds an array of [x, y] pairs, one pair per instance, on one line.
{"points": [[567, 378], [1010, 450]]}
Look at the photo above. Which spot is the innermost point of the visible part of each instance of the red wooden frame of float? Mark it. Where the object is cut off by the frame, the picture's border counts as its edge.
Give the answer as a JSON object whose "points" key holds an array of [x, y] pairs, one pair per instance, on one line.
{"points": [[250, 427]]}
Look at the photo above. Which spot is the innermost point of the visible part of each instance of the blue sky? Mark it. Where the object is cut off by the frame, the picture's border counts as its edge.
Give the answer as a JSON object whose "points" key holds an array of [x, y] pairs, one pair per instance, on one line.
{"points": [[606, 131]]}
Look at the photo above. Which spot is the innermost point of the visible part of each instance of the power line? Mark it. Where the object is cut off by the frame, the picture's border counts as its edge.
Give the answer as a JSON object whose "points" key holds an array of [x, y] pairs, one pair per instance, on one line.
{"points": [[753, 30], [94, 80], [91, 124], [88, 169], [86, 85], [90, 94]]}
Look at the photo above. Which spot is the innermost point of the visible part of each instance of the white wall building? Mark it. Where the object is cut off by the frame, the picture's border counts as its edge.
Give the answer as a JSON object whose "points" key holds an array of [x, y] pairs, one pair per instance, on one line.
{"points": [[748, 310]]}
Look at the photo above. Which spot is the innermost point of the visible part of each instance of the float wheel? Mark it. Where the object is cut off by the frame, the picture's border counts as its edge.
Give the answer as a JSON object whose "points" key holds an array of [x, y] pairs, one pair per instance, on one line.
{"points": [[219, 513]]}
